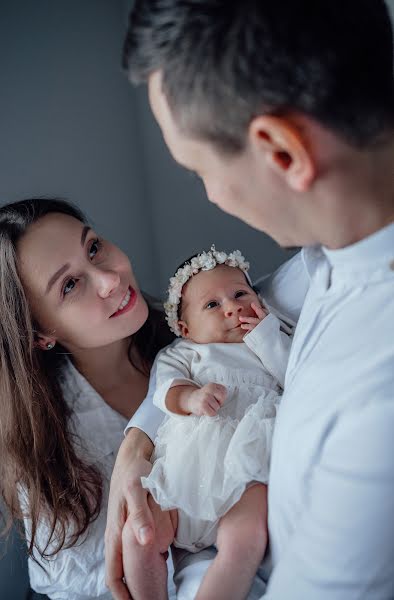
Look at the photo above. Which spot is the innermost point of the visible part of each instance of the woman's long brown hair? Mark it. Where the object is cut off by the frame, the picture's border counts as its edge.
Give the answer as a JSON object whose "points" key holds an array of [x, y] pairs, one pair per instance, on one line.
{"points": [[38, 456]]}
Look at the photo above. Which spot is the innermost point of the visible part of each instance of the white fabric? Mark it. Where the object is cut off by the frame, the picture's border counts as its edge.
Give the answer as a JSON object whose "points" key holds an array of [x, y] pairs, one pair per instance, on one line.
{"points": [[78, 573], [202, 465], [331, 493]]}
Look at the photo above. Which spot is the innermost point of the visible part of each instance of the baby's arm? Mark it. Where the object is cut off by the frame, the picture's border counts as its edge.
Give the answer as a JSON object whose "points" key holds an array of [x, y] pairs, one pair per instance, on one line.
{"points": [[176, 392], [267, 340], [191, 400]]}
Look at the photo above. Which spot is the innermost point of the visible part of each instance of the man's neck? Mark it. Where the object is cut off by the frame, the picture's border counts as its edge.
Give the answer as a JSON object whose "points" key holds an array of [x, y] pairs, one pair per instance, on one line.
{"points": [[357, 197]]}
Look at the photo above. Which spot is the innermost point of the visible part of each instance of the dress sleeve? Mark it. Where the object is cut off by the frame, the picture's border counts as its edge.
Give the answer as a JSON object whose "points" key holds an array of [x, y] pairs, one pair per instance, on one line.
{"points": [[342, 546], [172, 368], [286, 288], [271, 345]]}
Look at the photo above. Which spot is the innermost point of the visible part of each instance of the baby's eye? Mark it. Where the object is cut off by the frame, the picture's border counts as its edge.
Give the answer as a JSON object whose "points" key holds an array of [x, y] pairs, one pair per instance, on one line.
{"points": [[240, 293], [94, 248], [69, 286], [212, 304]]}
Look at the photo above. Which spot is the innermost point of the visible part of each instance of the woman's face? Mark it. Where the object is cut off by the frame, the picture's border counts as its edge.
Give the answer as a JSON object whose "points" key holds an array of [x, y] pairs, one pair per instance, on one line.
{"points": [[81, 288]]}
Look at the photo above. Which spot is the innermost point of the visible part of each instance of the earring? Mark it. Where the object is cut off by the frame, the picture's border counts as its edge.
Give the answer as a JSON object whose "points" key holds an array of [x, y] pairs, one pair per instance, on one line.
{"points": [[50, 345]]}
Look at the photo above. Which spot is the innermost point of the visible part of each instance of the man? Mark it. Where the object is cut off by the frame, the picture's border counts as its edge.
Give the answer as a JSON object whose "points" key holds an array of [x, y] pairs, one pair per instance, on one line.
{"points": [[286, 111]]}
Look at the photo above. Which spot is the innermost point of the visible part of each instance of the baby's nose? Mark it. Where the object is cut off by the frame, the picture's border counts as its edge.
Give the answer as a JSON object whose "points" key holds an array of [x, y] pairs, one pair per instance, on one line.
{"points": [[232, 309]]}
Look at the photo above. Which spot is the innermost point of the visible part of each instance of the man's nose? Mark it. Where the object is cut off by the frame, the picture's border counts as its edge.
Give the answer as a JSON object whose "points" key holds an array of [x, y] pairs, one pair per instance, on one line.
{"points": [[107, 282], [232, 308]]}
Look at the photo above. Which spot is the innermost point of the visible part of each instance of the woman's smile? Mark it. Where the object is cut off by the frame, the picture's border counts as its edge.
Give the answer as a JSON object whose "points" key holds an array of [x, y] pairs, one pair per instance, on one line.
{"points": [[127, 303]]}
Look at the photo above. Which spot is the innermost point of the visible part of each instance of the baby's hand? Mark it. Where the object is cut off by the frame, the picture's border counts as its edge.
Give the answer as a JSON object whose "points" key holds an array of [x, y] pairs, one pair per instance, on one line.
{"points": [[206, 400], [249, 323]]}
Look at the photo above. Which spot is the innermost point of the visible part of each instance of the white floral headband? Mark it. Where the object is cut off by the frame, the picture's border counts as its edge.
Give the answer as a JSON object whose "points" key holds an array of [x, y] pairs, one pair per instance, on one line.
{"points": [[202, 262]]}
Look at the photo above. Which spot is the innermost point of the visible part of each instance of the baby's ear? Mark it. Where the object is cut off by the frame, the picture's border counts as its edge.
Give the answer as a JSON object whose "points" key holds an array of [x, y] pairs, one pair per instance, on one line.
{"points": [[184, 328]]}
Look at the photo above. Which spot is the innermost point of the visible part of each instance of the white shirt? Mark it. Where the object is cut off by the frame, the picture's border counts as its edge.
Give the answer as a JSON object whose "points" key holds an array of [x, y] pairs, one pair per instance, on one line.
{"points": [[331, 492], [78, 573]]}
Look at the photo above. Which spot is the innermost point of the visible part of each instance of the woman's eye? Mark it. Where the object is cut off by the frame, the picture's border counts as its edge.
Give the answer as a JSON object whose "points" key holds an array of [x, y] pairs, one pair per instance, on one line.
{"points": [[94, 248], [69, 286], [240, 293], [211, 304]]}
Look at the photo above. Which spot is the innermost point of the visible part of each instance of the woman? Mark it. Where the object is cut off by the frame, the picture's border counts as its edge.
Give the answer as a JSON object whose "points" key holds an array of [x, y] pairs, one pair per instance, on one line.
{"points": [[77, 340]]}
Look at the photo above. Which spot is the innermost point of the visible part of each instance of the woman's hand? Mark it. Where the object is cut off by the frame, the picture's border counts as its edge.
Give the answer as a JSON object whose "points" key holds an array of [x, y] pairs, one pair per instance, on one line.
{"points": [[136, 540]]}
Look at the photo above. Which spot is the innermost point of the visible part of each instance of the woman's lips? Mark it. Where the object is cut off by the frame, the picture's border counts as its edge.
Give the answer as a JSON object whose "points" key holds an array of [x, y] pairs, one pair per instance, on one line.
{"points": [[131, 301]]}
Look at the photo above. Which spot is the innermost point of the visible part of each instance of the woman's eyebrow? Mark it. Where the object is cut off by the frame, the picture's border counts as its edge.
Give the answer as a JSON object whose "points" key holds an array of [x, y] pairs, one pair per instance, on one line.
{"points": [[85, 232], [64, 268], [56, 276]]}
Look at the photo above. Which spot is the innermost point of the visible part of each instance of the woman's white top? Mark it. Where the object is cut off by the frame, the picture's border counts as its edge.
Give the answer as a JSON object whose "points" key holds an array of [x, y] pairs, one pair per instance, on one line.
{"points": [[202, 465], [78, 573]]}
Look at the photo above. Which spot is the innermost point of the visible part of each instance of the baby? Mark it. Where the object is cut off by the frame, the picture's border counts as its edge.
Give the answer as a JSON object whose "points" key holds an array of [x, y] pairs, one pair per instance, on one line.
{"points": [[219, 385]]}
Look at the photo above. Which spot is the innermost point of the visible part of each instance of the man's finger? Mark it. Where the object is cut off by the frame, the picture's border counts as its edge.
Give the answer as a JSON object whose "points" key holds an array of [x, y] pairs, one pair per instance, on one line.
{"points": [[141, 519]]}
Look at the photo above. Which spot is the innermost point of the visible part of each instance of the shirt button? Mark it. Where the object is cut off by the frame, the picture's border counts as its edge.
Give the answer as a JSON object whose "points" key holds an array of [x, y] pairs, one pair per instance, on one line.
{"points": [[199, 545]]}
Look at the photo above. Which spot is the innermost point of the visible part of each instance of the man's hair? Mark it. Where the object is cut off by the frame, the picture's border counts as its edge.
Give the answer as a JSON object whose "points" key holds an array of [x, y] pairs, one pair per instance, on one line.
{"points": [[225, 61]]}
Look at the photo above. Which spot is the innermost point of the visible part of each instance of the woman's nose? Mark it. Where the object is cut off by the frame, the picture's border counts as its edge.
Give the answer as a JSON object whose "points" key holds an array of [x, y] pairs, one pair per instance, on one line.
{"points": [[232, 308], [107, 283]]}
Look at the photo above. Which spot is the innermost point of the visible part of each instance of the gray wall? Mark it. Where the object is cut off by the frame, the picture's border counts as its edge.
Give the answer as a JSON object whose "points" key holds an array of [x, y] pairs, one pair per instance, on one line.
{"points": [[68, 116]]}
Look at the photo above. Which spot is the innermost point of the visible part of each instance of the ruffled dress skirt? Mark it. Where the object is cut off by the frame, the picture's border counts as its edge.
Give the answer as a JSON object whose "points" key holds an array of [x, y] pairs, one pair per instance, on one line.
{"points": [[203, 465]]}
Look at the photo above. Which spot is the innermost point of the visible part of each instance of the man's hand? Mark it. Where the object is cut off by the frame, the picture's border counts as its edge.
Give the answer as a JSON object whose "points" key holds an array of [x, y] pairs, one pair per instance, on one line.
{"points": [[249, 323], [134, 543], [206, 400]]}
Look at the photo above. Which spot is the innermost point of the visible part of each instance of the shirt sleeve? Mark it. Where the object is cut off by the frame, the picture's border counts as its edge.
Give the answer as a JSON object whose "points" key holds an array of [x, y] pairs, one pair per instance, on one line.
{"points": [[271, 345], [343, 543], [286, 288], [148, 417]]}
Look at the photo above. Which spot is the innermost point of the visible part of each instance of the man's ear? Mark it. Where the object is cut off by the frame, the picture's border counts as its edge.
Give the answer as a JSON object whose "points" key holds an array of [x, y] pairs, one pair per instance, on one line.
{"points": [[284, 150], [184, 328]]}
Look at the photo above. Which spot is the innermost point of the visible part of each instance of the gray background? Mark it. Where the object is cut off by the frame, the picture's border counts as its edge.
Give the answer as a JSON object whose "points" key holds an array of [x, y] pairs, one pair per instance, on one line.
{"points": [[72, 126]]}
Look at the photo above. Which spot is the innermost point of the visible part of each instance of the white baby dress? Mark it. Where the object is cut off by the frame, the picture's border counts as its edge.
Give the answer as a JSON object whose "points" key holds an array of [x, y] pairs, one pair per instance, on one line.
{"points": [[202, 465]]}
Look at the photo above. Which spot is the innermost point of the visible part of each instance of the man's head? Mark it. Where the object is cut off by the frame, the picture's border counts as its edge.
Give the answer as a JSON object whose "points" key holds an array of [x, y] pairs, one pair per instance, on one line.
{"points": [[224, 61], [231, 82]]}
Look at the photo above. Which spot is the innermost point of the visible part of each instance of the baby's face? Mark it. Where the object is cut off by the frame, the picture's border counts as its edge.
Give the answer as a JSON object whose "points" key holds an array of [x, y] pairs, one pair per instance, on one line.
{"points": [[212, 302]]}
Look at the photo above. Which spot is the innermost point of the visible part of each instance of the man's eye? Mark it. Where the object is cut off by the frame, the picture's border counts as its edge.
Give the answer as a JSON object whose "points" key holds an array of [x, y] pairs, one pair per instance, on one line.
{"points": [[94, 248], [69, 286], [212, 304], [240, 293]]}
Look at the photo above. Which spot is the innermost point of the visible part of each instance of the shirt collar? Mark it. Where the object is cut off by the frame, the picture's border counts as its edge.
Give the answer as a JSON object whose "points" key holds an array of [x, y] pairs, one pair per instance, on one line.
{"points": [[96, 423], [376, 249]]}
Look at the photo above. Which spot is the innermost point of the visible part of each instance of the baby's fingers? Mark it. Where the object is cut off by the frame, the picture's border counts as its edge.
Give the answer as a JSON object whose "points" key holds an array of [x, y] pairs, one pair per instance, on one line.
{"points": [[218, 391], [247, 327], [259, 310], [249, 321]]}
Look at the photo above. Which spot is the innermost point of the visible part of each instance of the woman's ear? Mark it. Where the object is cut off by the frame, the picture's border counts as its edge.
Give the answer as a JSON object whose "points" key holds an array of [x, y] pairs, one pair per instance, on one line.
{"points": [[44, 342], [184, 328], [284, 150]]}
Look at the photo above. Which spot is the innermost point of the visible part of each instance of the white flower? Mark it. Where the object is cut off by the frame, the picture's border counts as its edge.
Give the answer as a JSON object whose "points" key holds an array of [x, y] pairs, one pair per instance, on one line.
{"points": [[208, 263], [202, 262]]}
